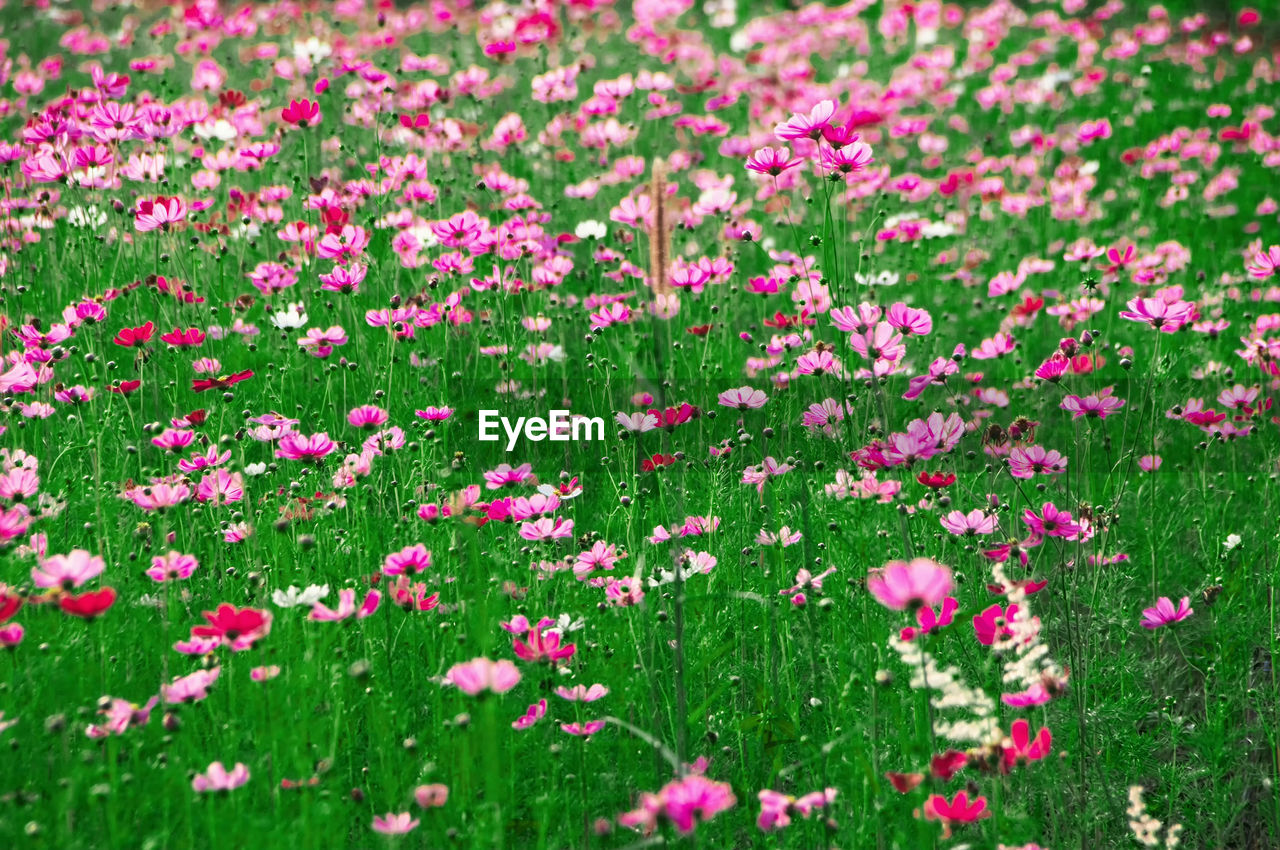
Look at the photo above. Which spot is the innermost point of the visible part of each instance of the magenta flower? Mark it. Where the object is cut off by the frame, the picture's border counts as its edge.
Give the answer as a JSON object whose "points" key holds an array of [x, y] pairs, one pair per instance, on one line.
{"points": [[1161, 315], [900, 584], [531, 716], [218, 778], [1051, 522], [481, 674], [542, 647], [771, 161], [416, 558], [1164, 613], [684, 802]]}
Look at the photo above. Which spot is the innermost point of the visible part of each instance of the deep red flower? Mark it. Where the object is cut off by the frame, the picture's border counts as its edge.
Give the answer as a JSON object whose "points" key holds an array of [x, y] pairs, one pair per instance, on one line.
{"points": [[673, 416], [124, 387], [9, 605], [656, 462], [300, 112], [699, 330], [88, 605], [179, 338], [904, 782], [948, 764], [782, 321], [197, 417], [936, 480], [134, 337], [499, 48], [237, 627], [202, 384]]}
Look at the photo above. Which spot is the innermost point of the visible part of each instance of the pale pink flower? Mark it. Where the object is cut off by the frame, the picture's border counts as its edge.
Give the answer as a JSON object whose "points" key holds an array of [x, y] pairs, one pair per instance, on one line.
{"points": [[900, 584], [218, 778], [480, 674]]}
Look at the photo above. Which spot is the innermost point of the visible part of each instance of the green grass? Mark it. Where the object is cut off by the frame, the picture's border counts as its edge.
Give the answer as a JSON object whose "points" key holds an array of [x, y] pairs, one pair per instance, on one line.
{"points": [[719, 666]]}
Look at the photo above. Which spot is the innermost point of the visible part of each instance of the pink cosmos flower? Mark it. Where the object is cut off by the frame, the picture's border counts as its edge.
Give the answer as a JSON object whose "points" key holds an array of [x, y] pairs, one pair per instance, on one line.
{"points": [[534, 713], [160, 213], [173, 565], [930, 620], [395, 824], [481, 674], [67, 571], [743, 398], [431, 796], [1026, 462], [346, 607], [581, 693], [11, 635], [218, 778], [121, 716], [1164, 613], [295, 446], [542, 647], [808, 126], [684, 802], [776, 808], [1051, 522], [771, 161], [993, 624], [416, 558], [848, 159], [900, 584], [1264, 263], [504, 475], [1161, 315], [966, 525], [1022, 747], [190, 688], [958, 810], [1100, 404], [583, 730], [546, 528]]}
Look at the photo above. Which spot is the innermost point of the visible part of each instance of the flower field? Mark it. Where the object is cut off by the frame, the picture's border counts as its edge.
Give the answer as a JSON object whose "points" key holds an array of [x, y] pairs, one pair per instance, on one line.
{"points": [[591, 424]]}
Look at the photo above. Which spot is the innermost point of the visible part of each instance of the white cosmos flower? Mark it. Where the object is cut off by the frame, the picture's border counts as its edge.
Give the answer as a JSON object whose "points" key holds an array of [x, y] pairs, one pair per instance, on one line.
{"points": [[313, 50], [90, 217], [881, 279], [590, 229], [293, 597], [220, 129], [294, 317]]}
